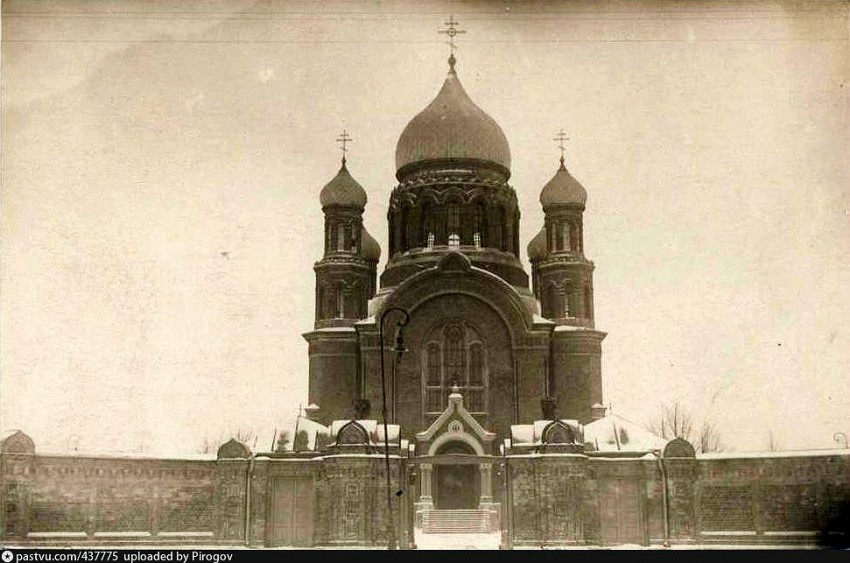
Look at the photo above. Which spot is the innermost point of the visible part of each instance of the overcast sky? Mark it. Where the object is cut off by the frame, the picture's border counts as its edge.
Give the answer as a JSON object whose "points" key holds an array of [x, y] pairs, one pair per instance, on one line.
{"points": [[162, 163]]}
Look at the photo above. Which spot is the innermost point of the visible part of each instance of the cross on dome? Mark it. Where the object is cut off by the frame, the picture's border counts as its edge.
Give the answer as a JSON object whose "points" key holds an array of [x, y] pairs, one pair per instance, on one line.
{"points": [[452, 31], [560, 138], [343, 139]]}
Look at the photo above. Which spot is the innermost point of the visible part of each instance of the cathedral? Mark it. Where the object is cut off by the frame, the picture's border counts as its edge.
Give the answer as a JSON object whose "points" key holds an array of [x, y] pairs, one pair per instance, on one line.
{"points": [[454, 393], [513, 349]]}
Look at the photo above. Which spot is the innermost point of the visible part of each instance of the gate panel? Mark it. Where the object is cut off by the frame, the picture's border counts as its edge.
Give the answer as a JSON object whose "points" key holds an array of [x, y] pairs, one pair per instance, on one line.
{"points": [[292, 512]]}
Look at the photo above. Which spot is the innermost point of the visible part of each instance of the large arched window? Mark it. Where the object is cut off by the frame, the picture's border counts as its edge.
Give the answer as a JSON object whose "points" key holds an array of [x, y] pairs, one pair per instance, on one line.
{"points": [[404, 235], [453, 219], [499, 230], [425, 222], [433, 374], [475, 385], [480, 233], [391, 239], [455, 356]]}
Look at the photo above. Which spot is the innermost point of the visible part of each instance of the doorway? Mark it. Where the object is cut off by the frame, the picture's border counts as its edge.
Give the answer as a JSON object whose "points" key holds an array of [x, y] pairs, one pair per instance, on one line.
{"points": [[457, 484]]}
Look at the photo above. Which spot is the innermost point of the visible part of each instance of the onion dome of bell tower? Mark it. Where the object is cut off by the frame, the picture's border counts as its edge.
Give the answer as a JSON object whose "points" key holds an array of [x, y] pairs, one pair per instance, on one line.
{"points": [[563, 189], [369, 248], [537, 247], [452, 127], [343, 190]]}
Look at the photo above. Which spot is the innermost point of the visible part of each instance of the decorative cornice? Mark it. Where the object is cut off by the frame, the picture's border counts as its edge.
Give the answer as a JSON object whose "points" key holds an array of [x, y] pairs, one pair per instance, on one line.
{"points": [[342, 260], [555, 260]]}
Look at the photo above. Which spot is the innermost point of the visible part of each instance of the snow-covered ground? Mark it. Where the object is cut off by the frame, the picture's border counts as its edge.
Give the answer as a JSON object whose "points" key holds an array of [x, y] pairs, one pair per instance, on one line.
{"points": [[457, 541]]}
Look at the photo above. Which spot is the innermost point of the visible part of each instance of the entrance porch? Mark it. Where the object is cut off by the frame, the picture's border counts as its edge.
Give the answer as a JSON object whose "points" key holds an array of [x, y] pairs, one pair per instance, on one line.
{"points": [[455, 477]]}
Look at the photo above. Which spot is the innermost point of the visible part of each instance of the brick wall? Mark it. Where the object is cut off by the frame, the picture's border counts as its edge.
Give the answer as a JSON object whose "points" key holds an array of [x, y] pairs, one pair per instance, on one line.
{"points": [[109, 498], [332, 500]]}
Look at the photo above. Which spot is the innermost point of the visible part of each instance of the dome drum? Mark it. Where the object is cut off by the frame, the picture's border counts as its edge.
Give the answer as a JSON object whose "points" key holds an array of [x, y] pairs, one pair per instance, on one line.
{"points": [[483, 170]]}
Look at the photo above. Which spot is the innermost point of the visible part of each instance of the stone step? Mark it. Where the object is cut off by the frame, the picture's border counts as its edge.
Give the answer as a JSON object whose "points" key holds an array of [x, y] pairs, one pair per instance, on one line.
{"points": [[465, 521]]}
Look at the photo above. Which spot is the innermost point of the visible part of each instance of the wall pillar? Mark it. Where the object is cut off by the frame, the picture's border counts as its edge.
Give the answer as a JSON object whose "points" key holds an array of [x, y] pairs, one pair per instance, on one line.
{"points": [[425, 502], [486, 500], [486, 483]]}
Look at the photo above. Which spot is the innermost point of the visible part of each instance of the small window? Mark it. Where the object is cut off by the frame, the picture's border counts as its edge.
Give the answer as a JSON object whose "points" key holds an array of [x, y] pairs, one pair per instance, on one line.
{"points": [[454, 240], [342, 235], [340, 303], [353, 239], [566, 244]]}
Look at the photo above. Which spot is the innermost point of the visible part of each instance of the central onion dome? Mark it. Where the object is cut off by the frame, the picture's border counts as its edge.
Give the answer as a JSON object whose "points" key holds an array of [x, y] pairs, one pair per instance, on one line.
{"points": [[452, 127]]}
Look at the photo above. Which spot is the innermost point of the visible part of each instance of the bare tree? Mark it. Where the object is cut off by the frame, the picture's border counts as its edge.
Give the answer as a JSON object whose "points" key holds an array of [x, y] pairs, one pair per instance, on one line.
{"points": [[674, 421], [773, 444], [244, 436], [282, 441], [708, 439]]}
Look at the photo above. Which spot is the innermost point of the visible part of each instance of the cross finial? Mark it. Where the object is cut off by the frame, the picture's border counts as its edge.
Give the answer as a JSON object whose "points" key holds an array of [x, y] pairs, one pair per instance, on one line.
{"points": [[560, 138], [343, 139], [452, 31]]}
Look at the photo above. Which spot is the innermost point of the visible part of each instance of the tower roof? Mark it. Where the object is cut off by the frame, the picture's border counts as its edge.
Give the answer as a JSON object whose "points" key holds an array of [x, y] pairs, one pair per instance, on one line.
{"points": [[452, 127], [343, 190], [537, 246], [369, 247], [563, 189]]}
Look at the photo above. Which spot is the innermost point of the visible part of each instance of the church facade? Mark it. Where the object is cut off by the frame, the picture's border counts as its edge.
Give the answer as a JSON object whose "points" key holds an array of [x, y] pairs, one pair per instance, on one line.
{"points": [[475, 322], [474, 336], [491, 379]]}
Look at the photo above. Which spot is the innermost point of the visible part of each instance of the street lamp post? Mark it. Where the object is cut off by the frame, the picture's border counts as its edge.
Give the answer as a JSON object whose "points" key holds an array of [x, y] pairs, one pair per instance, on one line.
{"points": [[399, 348]]}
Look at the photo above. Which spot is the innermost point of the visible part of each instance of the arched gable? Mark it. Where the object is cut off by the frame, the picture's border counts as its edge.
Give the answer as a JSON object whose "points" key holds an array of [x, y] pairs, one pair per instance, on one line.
{"points": [[352, 434], [454, 274]]}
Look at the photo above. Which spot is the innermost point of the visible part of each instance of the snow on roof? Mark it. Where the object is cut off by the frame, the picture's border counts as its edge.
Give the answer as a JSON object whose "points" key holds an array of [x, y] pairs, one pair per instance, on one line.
{"points": [[375, 429], [522, 433], [335, 329], [135, 456], [312, 428], [533, 433], [614, 433], [786, 453]]}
